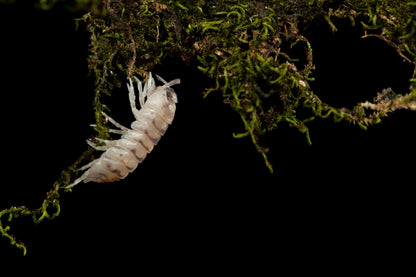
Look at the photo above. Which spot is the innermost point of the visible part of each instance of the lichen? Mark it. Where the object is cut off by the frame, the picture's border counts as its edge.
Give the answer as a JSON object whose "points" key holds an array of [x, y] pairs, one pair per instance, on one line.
{"points": [[246, 48]]}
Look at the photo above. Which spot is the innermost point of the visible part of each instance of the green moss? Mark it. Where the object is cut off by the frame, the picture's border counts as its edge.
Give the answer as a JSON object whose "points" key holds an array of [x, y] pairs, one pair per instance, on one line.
{"points": [[49, 209], [245, 47]]}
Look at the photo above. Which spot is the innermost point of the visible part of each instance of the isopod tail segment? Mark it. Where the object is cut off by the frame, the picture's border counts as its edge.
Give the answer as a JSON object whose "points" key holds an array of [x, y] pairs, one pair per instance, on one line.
{"points": [[122, 156]]}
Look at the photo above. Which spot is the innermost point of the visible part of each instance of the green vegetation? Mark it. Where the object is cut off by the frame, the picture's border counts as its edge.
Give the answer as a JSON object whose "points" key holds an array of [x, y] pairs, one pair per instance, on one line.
{"points": [[243, 46]]}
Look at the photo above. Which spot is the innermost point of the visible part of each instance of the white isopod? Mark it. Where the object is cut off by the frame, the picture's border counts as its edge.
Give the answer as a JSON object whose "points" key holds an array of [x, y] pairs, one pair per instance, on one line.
{"points": [[158, 105]]}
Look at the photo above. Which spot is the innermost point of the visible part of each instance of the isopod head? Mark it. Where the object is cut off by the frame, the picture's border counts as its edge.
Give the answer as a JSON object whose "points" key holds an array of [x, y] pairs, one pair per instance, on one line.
{"points": [[164, 99]]}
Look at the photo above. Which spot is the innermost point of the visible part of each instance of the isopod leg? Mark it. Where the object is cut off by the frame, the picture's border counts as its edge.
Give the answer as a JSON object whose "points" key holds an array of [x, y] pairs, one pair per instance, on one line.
{"points": [[142, 94], [132, 96], [115, 123], [82, 178], [114, 131], [76, 182], [88, 165], [149, 87], [108, 144]]}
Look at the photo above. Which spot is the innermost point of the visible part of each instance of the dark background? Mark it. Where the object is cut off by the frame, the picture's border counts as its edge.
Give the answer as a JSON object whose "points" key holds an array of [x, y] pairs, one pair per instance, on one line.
{"points": [[202, 197]]}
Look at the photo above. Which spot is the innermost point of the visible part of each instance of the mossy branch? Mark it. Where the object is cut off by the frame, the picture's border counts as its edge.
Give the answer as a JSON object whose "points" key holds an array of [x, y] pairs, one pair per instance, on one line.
{"points": [[49, 209]]}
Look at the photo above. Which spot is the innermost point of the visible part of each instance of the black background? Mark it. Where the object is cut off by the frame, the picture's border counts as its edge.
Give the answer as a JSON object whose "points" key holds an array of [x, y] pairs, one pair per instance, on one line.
{"points": [[203, 198]]}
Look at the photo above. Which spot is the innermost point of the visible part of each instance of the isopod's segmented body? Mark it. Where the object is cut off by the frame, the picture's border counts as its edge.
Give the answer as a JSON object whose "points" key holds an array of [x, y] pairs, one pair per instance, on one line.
{"points": [[158, 106]]}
